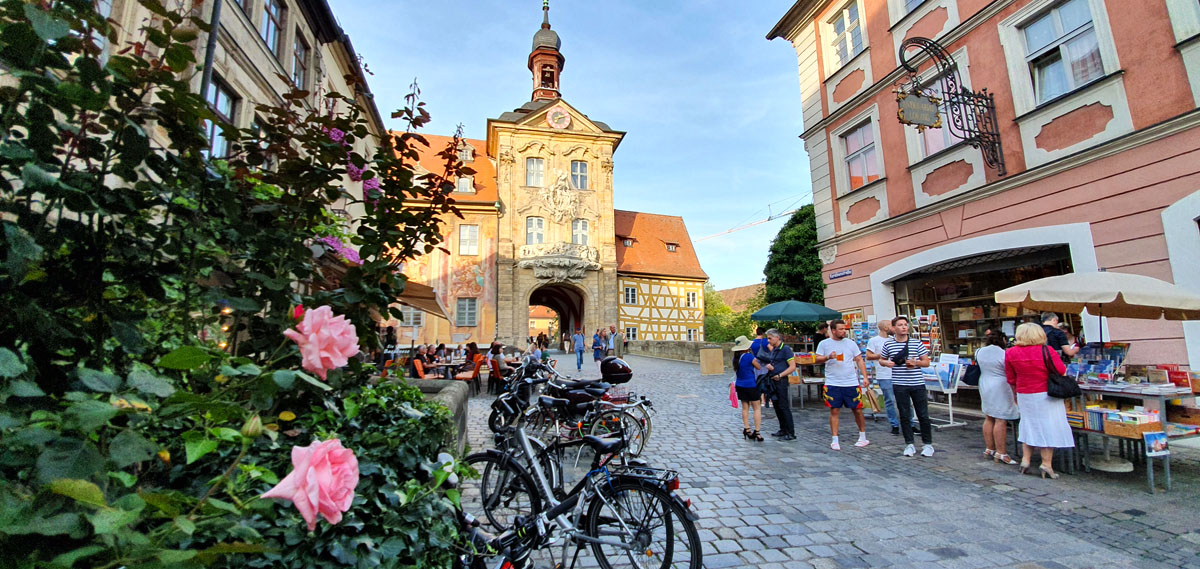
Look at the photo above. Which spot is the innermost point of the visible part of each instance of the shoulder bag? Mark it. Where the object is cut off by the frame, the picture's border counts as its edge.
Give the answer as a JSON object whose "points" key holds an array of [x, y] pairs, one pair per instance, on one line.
{"points": [[972, 374], [1058, 386]]}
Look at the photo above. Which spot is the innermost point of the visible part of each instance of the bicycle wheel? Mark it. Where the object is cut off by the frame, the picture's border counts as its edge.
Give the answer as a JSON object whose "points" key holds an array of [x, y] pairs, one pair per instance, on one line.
{"points": [[644, 526], [635, 436], [642, 415], [503, 491]]}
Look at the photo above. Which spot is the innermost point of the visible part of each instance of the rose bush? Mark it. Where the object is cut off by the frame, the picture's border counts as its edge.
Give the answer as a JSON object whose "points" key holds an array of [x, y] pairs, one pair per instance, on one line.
{"points": [[322, 481], [148, 392]]}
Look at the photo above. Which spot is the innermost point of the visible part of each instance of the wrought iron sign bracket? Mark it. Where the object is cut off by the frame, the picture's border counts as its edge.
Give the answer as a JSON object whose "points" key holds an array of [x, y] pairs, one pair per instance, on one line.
{"points": [[972, 115]]}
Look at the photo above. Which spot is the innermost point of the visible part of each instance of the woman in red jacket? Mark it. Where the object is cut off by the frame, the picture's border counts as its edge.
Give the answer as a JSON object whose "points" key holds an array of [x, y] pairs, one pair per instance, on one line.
{"points": [[1043, 418]]}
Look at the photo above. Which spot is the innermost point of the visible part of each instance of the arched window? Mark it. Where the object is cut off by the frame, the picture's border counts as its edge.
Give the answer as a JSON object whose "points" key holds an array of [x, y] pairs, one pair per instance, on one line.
{"points": [[535, 230], [579, 232]]}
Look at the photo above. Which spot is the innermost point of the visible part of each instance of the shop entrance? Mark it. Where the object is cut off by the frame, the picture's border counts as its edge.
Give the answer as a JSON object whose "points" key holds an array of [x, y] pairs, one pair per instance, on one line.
{"points": [[566, 302], [961, 293]]}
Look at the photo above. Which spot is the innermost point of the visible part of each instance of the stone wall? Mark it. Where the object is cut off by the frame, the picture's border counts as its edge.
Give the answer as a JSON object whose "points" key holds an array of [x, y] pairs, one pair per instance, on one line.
{"points": [[453, 394], [677, 350]]}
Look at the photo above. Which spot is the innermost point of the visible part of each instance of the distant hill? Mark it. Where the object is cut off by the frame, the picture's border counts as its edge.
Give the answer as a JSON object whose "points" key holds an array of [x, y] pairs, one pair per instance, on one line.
{"points": [[736, 298]]}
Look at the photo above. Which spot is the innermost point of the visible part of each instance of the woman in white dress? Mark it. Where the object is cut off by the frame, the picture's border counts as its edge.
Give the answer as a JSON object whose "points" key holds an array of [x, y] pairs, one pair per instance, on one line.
{"points": [[1043, 418], [998, 404]]}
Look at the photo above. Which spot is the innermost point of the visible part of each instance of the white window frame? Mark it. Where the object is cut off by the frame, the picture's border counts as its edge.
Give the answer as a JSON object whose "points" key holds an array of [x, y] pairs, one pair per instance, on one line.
{"points": [[466, 312], [579, 174], [579, 231], [1185, 23], [535, 230], [468, 240], [627, 242], [630, 296], [535, 171], [466, 153], [464, 185], [841, 13], [693, 335], [841, 171], [672, 247], [631, 333], [1060, 47], [689, 299], [862, 152], [1020, 75], [412, 317]]}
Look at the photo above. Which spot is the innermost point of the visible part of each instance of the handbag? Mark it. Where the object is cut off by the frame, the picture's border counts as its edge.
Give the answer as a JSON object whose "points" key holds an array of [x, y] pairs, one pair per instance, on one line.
{"points": [[733, 399], [1058, 386], [971, 376]]}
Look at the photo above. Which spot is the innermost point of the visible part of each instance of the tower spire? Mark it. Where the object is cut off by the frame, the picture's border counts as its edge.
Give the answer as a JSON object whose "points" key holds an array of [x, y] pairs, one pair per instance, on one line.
{"points": [[545, 60]]}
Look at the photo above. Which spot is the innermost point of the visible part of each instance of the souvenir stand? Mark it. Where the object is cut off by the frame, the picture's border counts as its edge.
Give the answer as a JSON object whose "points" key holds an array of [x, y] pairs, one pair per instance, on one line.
{"points": [[796, 311], [1142, 407]]}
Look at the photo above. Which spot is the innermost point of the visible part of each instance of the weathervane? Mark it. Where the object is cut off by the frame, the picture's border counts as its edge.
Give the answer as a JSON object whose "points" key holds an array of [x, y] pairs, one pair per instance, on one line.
{"points": [[972, 115]]}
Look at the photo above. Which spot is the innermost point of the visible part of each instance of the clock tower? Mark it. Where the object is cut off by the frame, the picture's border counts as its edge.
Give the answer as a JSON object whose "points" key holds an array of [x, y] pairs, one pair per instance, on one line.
{"points": [[545, 61]]}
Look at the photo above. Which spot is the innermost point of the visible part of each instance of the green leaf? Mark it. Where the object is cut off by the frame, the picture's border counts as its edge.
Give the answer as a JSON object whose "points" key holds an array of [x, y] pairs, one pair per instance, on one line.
{"points": [[284, 378], [90, 414], [166, 503], [185, 525], [99, 380], [147, 382], [226, 434], [196, 445], [171, 556], [130, 338], [313, 380], [111, 520], [69, 558], [22, 388], [128, 448], [45, 25], [68, 458], [223, 505], [250, 370], [185, 358], [11, 366], [184, 35], [454, 497], [80, 490], [126, 479]]}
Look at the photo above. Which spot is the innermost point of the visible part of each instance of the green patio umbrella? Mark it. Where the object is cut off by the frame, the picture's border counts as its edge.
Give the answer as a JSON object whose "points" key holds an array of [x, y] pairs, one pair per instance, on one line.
{"points": [[795, 311]]}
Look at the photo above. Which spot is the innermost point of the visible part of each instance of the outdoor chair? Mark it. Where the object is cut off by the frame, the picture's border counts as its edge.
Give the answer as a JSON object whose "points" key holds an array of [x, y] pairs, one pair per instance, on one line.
{"points": [[472, 376], [495, 379]]}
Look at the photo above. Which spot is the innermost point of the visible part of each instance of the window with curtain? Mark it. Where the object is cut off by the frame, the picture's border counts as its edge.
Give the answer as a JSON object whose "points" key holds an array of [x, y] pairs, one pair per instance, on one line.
{"points": [[1061, 50], [861, 164]]}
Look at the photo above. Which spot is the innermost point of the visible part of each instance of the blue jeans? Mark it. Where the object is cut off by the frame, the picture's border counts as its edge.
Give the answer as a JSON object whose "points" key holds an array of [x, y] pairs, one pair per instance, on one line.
{"points": [[579, 360], [889, 401]]}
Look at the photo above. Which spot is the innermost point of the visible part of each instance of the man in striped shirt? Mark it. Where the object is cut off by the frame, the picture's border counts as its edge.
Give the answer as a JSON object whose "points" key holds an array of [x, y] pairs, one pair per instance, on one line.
{"points": [[906, 355]]}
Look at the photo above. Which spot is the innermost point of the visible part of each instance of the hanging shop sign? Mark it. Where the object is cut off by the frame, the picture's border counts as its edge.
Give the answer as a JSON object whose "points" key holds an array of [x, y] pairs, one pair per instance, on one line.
{"points": [[971, 115]]}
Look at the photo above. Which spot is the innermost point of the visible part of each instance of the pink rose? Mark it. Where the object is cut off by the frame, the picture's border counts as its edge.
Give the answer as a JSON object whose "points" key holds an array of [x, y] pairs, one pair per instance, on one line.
{"points": [[326, 341], [322, 481]]}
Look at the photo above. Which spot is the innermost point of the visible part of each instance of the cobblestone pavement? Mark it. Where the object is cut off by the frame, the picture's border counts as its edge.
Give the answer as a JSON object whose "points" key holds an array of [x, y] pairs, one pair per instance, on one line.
{"points": [[799, 504]]}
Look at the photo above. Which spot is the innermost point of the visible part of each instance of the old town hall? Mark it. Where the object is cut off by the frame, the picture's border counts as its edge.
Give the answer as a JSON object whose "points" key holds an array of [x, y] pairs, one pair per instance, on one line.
{"points": [[538, 228]]}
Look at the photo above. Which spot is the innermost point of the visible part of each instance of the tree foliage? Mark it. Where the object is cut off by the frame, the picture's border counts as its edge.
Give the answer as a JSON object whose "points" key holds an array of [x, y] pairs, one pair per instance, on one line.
{"points": [[145, 290], [793, 268], [721, 322]]}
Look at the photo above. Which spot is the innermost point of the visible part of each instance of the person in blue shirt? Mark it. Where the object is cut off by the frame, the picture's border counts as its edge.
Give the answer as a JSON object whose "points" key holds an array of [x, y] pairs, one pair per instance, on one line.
{"points": [[760, 343], [747, 388], [577, 345]]}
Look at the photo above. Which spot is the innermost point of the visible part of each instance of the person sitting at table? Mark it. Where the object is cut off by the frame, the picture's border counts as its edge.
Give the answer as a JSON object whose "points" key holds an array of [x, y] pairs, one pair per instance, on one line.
{"points": [[502, 363], [421, 367], [471, 354]]}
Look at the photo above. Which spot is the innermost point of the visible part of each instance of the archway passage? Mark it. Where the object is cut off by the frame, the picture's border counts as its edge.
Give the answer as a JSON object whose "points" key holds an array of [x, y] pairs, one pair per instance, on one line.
{"points": [[544, 320], [566, 301]]}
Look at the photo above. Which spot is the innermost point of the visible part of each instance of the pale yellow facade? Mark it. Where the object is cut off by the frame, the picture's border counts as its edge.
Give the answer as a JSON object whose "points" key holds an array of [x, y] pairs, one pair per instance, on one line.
{"points": [[661, 309]]}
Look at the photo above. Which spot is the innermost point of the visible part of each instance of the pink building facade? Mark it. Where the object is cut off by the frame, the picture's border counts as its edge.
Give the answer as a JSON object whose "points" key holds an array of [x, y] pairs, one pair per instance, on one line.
{"points": [[1096, 102]]}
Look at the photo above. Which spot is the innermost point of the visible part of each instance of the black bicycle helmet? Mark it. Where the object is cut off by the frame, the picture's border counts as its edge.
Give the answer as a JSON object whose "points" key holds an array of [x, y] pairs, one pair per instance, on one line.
{"points": [[615, 370]]}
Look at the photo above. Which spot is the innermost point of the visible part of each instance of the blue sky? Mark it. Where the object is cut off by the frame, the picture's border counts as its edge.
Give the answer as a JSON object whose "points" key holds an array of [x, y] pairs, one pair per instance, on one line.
{"points": [[711, 108]]}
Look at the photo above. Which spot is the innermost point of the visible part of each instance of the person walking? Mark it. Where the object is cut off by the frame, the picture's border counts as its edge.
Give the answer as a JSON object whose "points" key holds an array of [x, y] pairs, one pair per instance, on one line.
{"points": [[618, 342], [843, 388], [577, 345], [997, 402], [779, 363], [746, 386], [612, 347], [906, 355], [883, 374], [599, 346], [1043, 418]]}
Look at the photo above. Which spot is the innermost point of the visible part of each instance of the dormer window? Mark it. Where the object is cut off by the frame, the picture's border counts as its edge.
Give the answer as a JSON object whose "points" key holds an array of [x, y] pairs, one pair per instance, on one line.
{"points": [[671, 247], [466, 153], [627, 242]]}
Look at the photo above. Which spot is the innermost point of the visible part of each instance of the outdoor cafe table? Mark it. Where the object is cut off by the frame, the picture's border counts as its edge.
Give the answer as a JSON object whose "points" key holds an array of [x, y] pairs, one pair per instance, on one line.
{"points": [[1135, 447]]}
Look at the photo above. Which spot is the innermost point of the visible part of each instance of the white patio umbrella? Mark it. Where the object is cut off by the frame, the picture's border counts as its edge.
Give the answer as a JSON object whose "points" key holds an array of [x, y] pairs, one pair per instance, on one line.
{"points": [[1116, 295]]}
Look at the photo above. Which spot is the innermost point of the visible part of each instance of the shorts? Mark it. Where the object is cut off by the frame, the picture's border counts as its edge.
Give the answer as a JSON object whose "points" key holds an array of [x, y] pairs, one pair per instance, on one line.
{"points": [[848, 397], [748, 393]]}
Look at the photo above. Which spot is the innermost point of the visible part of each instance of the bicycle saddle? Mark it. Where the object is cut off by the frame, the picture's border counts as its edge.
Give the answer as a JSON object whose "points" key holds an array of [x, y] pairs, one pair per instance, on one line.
{"points": [[547, 401], [603, 445]]}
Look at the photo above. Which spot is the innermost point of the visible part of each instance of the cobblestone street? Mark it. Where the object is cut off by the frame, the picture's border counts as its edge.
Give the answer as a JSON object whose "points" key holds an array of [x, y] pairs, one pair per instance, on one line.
{"points": [[799, 504]]}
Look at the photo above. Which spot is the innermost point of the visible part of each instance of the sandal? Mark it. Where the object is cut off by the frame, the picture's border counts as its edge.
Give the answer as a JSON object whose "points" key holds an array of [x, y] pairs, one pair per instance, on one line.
{"points": [[756, 437], [1005, 459], [989, 452]]}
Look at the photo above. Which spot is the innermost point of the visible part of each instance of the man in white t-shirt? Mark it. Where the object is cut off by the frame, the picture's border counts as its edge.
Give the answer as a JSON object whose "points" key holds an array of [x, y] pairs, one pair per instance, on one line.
{"points": [[844, 366]]}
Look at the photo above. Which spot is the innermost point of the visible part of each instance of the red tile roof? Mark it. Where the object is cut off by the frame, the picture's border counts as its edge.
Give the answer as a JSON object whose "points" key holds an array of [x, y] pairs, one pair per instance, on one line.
{"points": [[651, 233], [485, 170], [539, 311], [736, 298]]}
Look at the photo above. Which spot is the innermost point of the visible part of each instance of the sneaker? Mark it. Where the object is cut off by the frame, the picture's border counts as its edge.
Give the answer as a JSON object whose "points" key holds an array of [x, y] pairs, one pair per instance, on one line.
{"points": [[896, 430], [927, 450], [835, 446], [910, 450], [778, 434], [788, 438], [862, 443]]}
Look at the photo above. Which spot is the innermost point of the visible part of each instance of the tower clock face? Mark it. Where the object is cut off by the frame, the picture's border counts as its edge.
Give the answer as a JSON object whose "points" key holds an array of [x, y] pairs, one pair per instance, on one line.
{"points": [[558, 117]]}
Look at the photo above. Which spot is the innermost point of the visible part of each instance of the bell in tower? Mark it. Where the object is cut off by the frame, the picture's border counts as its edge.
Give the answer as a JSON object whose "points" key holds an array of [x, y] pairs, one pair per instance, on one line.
{"points": [[545, 61]]}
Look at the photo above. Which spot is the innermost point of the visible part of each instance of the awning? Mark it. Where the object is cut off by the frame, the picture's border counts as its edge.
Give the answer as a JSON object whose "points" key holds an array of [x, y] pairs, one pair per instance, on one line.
{"points": [[422, 297]]}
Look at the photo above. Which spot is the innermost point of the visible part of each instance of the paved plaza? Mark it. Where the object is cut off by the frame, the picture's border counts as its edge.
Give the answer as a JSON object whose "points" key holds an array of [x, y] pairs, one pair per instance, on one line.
{"points": [[799, 504]]}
